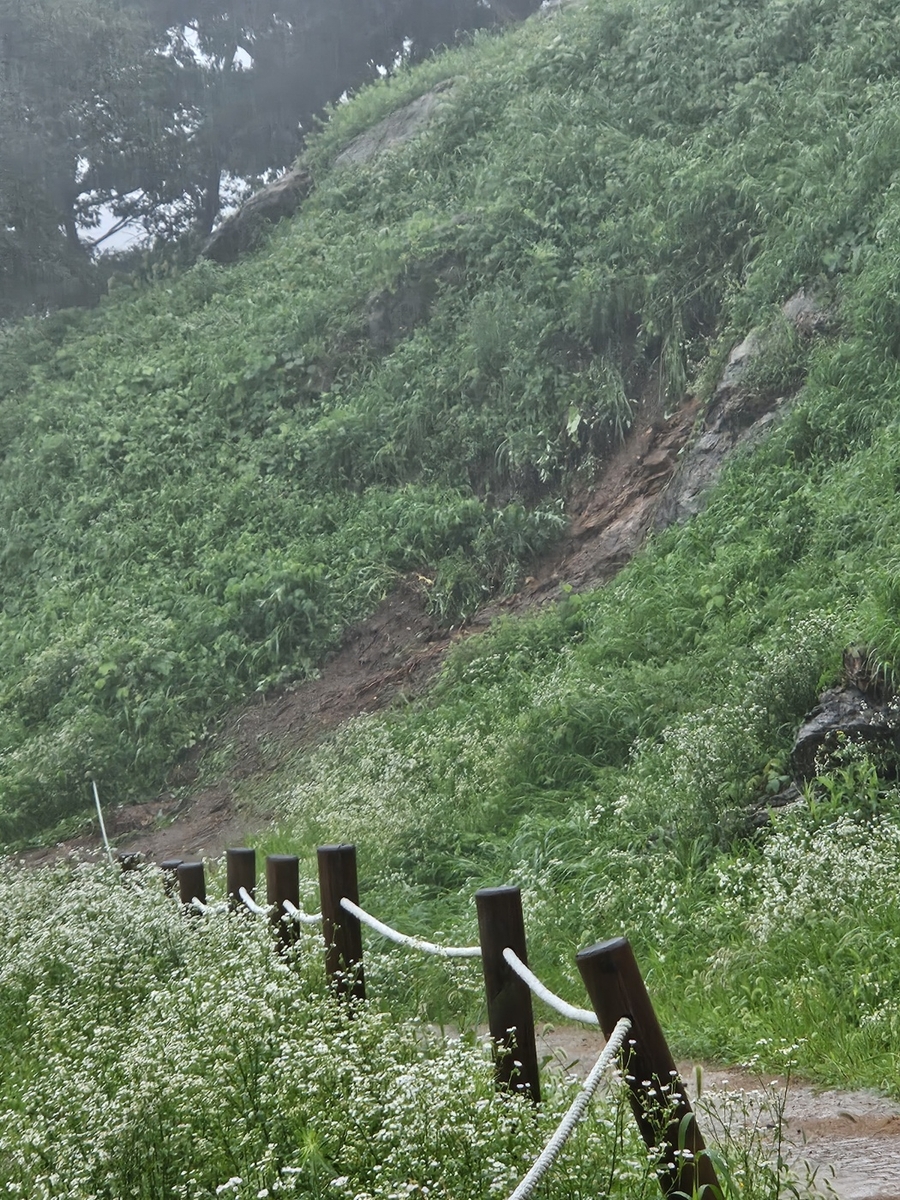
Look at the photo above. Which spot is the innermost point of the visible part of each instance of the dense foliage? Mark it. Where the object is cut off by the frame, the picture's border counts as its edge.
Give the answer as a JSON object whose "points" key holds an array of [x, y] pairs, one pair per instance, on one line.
{"points": [[206, 480], [156, 114], [148, 1056]]}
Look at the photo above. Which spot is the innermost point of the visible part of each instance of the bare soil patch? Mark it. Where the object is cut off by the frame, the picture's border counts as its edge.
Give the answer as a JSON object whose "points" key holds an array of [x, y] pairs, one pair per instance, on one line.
{"points": [[393, 654], [848, 1140]]}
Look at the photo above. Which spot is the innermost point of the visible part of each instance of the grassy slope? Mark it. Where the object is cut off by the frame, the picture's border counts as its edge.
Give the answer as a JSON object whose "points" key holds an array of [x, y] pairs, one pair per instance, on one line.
{"points": [[206, 479]]}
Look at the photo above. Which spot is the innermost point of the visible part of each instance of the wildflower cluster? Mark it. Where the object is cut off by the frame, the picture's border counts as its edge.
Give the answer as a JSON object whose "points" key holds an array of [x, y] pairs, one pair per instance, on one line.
{"points": [[150, 1055]]}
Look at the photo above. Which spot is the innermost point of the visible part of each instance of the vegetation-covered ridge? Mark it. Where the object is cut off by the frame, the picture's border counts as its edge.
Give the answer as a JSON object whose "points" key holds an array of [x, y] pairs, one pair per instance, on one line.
{"points": [[204, 481]]}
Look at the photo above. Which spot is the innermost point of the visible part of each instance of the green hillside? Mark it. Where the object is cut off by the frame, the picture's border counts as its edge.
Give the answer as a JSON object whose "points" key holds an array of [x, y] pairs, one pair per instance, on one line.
{"points": [[207, 479]]}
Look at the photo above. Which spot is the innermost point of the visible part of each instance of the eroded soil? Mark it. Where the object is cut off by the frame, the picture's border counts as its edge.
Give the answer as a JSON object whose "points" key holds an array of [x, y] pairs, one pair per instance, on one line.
{"points": [[848, 1142], [395, 653]]}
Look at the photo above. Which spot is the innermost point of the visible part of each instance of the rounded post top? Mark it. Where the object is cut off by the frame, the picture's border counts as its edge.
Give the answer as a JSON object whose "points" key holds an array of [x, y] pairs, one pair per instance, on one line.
{"points": [[602, 949], [338, 848], [485, 893], [282, 858]]}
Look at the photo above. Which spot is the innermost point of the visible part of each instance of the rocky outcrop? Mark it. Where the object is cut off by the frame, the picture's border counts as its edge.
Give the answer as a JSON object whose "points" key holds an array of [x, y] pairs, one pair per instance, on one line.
{"points": [[739, 415], [396, 129], [845, 714], [242, 230], [862, 710]]}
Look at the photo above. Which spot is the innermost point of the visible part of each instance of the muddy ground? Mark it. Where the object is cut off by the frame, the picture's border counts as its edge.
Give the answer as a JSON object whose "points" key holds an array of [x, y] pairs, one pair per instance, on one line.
{"points": [[847, 1141]]}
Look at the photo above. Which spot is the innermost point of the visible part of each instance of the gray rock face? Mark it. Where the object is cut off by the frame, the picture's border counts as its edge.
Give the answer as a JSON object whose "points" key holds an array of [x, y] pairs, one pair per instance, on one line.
{"points": [[399, 127], [241, 231], [845, 714], [738, 415]]}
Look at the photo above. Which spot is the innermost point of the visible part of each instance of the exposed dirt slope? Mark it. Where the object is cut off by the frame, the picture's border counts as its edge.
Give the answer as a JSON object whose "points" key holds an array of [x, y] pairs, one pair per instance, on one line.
{"points": [[394, 652]]}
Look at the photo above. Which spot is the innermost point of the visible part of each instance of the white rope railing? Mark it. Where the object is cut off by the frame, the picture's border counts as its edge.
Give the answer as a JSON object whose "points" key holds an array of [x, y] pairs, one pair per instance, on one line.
{"points": [[543, 993], [548, 1155], [207, 908], [256, 909], [301, 917], [403, 939]]}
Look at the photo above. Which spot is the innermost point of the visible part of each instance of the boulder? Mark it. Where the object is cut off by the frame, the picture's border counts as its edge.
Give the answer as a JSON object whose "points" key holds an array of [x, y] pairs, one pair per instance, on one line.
{"points": [[242, 230], [395, 129], [847, 714]]}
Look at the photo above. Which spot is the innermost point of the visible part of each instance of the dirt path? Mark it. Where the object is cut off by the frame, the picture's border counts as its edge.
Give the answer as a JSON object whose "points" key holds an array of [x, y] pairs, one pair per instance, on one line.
{"points": [[851, 1140]]}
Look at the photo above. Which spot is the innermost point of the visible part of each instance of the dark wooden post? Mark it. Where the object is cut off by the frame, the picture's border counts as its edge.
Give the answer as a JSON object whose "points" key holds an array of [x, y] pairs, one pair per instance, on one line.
{"points": [[510, 1015], [283, 883], [129, 860], [240, 871], [169, 868], [661, 1108], [341, 930], [191, 884]]}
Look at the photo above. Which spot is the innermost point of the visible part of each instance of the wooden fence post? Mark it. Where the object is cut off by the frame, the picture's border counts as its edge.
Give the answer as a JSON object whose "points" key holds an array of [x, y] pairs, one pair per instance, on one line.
{"points": [[129, 860], [341, 930], [169, 868], [510, 1014], [661, 1108], [191, 884], [283, 883], [240, 872]]}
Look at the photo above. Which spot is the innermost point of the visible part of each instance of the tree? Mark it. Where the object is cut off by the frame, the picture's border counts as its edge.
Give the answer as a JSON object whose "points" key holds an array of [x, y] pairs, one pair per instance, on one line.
{"points": [[84, 120], [143, 109]]}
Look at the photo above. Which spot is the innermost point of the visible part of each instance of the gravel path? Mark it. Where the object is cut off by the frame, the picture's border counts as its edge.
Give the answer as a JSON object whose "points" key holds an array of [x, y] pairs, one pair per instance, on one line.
{"points": [[851, 1140]]}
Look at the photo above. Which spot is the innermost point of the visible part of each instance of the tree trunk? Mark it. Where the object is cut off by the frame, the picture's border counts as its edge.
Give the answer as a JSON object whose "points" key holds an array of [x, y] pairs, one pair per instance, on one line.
{"points": [[210, 204]]}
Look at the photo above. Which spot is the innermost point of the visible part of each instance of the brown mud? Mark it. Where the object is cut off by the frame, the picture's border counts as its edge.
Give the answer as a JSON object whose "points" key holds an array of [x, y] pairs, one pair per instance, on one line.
{"points": [[392, 655], [847, 1143]]}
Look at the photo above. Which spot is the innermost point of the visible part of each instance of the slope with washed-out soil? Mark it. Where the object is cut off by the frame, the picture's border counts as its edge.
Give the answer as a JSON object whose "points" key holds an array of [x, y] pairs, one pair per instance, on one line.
{"points": [[395, 653]]}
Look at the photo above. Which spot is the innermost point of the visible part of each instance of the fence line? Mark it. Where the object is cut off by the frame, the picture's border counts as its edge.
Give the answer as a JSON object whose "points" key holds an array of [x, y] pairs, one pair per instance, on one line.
{"points": [[403, 939], [543, 993], [250, 903], [613, 981], [576, 1112], [301, 918]]}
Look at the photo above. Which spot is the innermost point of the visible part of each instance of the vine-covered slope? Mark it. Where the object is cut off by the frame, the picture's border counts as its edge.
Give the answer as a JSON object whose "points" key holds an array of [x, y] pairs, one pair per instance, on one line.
{"points": [[204, 481]]}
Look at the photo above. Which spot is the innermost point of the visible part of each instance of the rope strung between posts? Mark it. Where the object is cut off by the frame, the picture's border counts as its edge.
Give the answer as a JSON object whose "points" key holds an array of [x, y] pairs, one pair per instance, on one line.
{"points": [[403, 939], [304, 918], [207, 908], [548, 1156], [543, 993], [256, 909]]}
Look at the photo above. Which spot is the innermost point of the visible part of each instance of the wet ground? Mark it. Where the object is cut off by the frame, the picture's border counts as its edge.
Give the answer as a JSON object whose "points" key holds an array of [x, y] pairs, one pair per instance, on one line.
{"points": [[849, 1141]]}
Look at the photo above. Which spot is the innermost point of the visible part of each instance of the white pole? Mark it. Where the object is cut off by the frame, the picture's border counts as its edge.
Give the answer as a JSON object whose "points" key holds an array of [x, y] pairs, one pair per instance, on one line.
{"points": [[100, 818]]}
